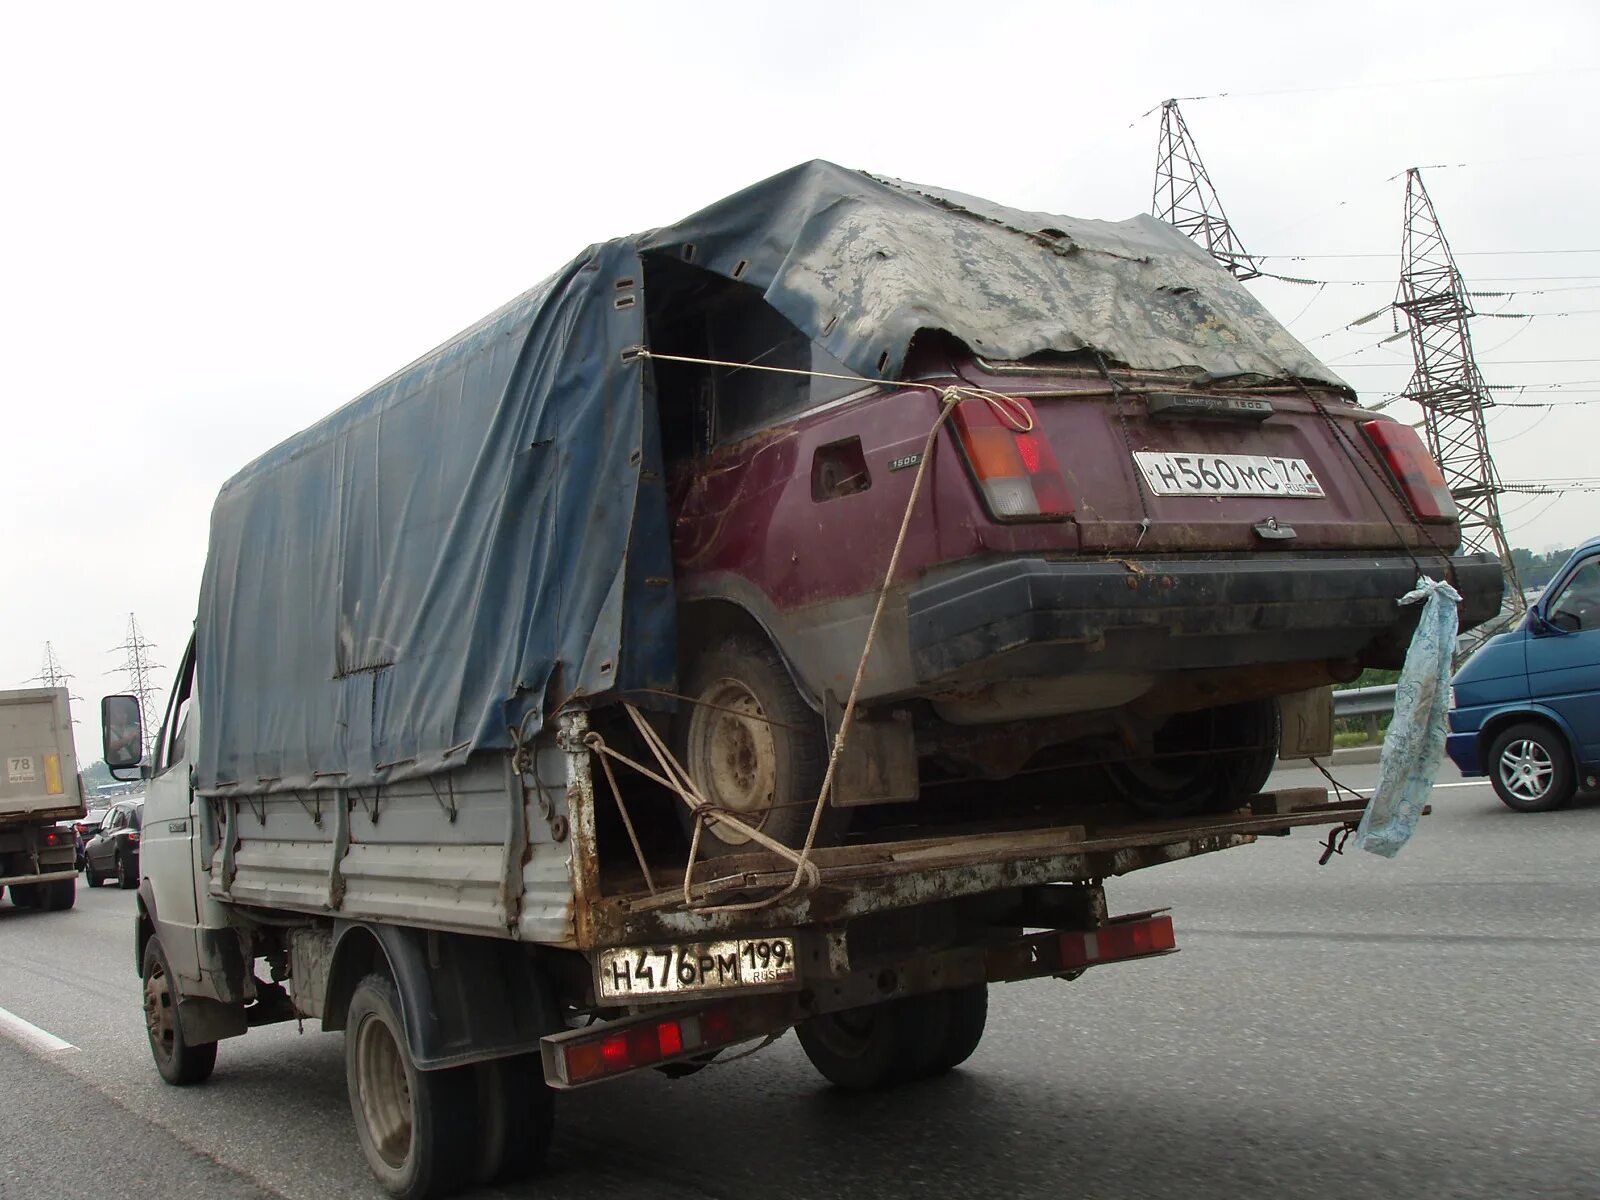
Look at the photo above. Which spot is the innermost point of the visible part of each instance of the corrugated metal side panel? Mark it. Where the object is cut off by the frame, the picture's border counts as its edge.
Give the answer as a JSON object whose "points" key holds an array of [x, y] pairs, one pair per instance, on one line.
{"points": [[398, 854], [453, 886]]}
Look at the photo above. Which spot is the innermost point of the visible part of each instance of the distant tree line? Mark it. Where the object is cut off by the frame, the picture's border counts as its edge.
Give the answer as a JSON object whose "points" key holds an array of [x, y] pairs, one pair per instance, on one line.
{"points": [[1536, 570]]}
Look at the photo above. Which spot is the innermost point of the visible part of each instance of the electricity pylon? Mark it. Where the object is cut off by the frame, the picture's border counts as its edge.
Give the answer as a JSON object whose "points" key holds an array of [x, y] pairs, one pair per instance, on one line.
{"points": [[138, 667], [1448, 387], [1185, 198], [52, 674]]}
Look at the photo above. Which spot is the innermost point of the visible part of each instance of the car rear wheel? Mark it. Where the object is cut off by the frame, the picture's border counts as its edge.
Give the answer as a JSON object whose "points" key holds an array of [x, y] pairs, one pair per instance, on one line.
{"points": [[127, 874], [417, 1128], [752, 747], [180, 1061], [90, 876], [1531, 768], [1207, 761]]}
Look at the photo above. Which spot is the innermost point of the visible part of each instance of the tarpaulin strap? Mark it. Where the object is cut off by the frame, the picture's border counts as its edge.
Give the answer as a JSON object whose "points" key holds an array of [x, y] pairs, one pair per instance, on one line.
{"points": [[1007, 408], [622, 807], [676, 780], [704, 811], [949, 398]]}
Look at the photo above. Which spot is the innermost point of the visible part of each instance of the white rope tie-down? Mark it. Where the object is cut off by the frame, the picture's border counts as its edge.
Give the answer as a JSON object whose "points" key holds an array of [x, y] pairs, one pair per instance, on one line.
{"points": [[675, 778]]}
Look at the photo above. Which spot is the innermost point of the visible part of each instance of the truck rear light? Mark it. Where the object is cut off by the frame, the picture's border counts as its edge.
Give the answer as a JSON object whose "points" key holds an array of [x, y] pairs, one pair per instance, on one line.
{"points": [[1413, 469], [1121, 940], [604, 1051], [1015, 469], [52, 837]]}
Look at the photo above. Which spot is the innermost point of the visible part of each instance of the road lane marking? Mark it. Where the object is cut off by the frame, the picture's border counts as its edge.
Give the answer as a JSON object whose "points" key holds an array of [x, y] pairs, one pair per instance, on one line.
{"points": [[30, 1035]]}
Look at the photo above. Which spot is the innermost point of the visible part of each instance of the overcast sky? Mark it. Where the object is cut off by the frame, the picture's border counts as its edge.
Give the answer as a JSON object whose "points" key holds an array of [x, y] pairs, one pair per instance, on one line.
{"points": [[223, 221]]}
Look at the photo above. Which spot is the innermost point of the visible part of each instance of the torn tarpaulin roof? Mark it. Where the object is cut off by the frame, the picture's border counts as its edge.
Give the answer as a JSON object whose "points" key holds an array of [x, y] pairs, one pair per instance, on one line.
{"points": [[482, 537]]}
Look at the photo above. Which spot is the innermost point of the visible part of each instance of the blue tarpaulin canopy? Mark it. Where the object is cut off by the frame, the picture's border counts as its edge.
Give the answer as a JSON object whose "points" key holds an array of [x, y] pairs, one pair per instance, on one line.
{"points": [[483, 536]]}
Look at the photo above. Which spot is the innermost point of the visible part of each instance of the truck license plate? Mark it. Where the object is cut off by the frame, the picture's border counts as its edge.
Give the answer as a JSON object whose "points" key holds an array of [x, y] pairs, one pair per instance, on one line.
{"points": [[1173, 474], [696, 967]]}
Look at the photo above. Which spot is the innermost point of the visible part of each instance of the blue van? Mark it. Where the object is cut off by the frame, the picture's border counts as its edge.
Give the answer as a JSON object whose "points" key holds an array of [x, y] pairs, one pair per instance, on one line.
{"points": [[1525, 709]]}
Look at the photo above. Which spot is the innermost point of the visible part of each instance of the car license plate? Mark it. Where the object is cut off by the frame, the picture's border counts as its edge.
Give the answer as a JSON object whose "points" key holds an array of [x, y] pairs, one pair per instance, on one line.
{"points": [[1173, 474], [696, 967]]}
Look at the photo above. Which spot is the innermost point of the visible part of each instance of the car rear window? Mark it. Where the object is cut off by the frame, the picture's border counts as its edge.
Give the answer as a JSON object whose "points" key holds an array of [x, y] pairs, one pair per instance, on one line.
{"points": [[744, 328]]}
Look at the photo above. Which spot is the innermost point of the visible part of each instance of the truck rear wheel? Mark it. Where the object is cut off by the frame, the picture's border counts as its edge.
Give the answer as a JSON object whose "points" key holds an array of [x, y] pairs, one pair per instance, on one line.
{"points": [[516, 1117], [753, 747], [25, 895], [417, 1128], [180, 1061], [967, 1014], [877, 1045], [60, 894]]}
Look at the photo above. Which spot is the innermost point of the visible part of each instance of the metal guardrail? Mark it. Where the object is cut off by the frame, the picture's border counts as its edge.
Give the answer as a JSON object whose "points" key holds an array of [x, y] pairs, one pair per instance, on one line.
{"points": [[1364, 702]]}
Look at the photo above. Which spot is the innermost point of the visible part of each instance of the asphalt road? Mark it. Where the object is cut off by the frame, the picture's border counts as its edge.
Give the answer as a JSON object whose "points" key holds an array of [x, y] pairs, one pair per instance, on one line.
{"points": [[1422, 1027]]}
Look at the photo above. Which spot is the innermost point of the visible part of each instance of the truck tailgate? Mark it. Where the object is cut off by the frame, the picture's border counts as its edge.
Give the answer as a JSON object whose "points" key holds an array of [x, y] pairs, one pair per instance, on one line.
{"points": [[38, 770]]}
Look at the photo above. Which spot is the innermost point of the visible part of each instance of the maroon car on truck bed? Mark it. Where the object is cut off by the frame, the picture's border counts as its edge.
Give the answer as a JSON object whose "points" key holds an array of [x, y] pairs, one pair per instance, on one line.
{"points": [[1115, 562]]}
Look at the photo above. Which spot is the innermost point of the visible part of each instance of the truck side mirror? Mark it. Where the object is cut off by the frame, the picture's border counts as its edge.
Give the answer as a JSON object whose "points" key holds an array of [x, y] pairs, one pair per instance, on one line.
{"points": [[121, 731]]}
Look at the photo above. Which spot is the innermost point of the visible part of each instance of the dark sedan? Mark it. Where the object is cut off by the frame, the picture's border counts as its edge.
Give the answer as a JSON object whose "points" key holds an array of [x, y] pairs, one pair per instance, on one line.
{"points": [[85, 828], [112, 852]]}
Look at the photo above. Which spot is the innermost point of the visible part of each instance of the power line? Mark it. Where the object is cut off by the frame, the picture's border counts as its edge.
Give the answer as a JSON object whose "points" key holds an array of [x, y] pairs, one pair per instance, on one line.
{"points": [[1499, 362], [1390, 254], [1384, 84]]}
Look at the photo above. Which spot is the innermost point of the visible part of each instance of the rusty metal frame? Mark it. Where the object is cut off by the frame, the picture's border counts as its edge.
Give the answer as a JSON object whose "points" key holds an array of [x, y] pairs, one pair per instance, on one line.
{"points": [[858, 879]]}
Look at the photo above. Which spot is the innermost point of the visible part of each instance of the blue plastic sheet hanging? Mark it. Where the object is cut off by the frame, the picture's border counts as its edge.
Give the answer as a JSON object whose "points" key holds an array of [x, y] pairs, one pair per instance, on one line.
{"points": [[1414, 743]]}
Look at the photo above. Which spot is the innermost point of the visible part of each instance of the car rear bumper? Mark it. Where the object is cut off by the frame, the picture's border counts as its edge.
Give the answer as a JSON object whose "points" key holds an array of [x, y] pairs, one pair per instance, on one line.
{"points": [[1168, 614]]}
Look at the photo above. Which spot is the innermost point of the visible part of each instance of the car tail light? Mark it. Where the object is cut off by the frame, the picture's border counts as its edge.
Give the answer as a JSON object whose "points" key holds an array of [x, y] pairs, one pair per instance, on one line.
{"points": [[1413, 469], [133, 837], [1015, 469]]}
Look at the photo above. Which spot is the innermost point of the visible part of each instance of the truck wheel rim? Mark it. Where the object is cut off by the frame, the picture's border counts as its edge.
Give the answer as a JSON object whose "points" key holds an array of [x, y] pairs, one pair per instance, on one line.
{"points": [[733, 756], [385, 1091], [1526, 769], [158, 1017]]}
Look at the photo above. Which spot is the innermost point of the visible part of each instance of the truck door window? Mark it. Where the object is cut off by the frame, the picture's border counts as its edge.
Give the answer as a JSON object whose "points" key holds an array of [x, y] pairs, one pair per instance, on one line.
{"points": [[170, 741], [1579, 600]]}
